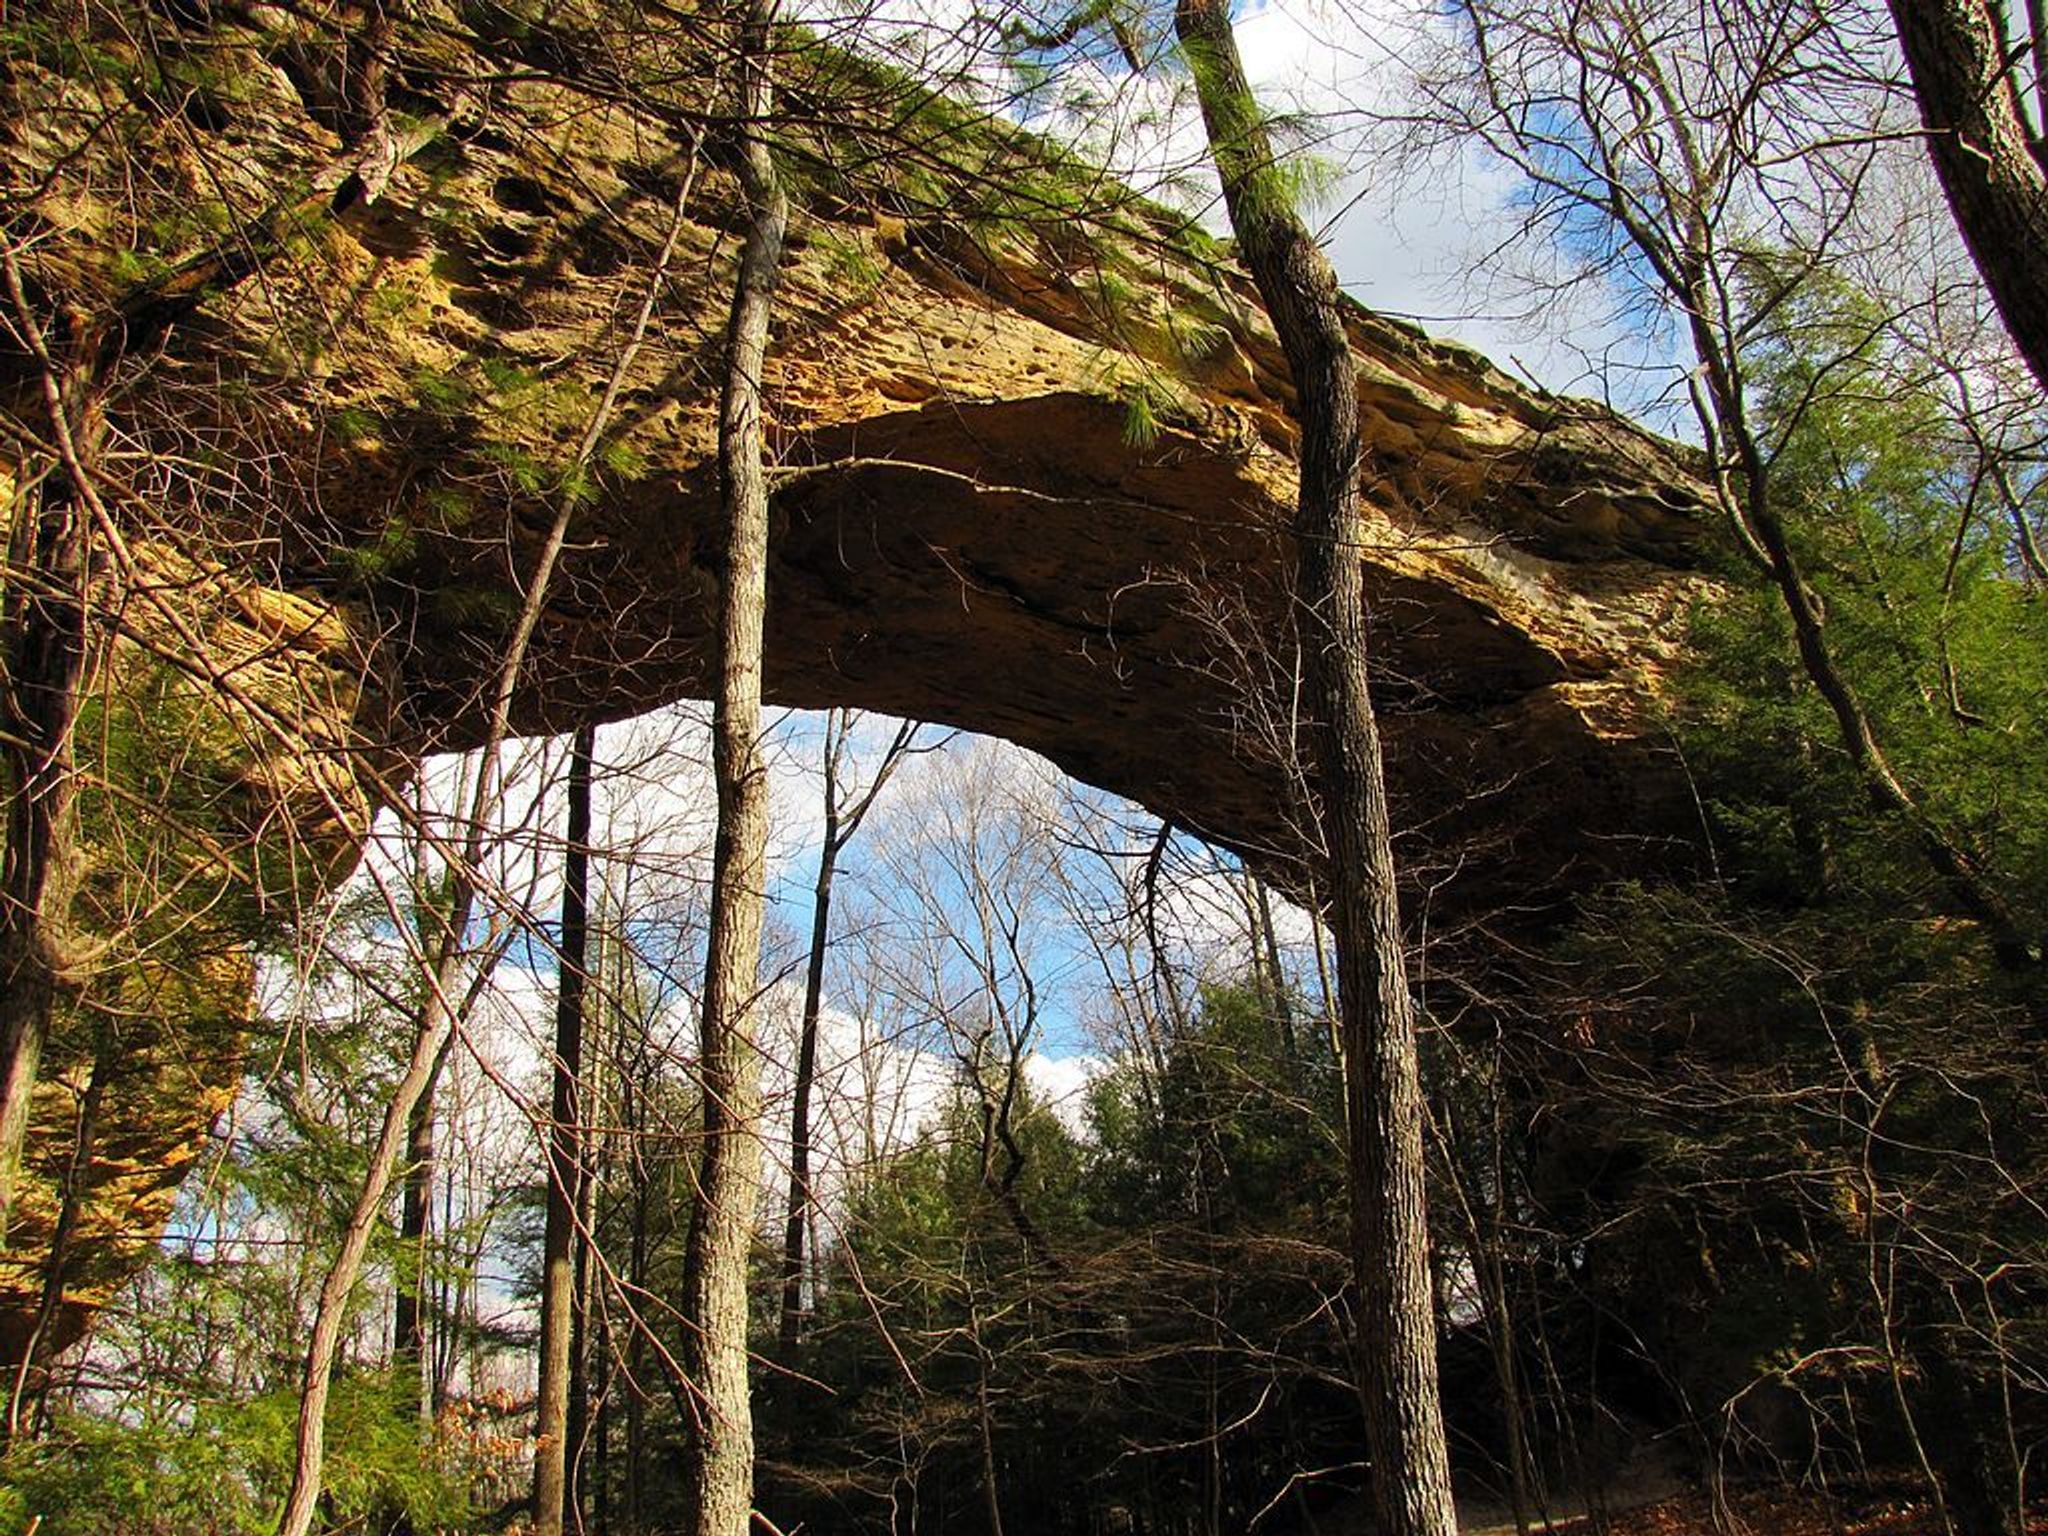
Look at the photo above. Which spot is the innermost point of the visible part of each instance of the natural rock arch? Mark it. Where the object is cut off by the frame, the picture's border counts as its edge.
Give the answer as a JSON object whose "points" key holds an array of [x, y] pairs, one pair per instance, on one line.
{"points": [[1016, 567], [976, 524]]}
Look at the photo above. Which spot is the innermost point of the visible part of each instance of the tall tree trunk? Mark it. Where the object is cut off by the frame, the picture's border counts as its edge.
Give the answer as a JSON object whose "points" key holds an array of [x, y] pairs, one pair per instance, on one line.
{"points": [[1282, 1004], [596, 1378], [584, 1351], [45, 651], [408, 1314], [1991, 166], [719, 1456], [62, 375], [634, 1146], [436, 1023], [1390, 1235], [71, 1207], [985, 1424], [797, 1223], [1975, 1486], [564, 1160], [1490, 1238], [841, 822], [410, 1343], [601, 1455]]}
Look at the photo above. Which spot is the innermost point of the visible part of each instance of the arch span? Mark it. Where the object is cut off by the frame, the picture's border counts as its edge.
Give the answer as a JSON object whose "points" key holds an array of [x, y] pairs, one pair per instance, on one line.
{"points": [[358, 455], [1019, 567]]}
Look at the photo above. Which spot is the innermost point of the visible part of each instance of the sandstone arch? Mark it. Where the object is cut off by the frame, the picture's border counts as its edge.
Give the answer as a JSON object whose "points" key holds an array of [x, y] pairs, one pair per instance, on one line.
{"points": [[966, 530], [1016, 567]]}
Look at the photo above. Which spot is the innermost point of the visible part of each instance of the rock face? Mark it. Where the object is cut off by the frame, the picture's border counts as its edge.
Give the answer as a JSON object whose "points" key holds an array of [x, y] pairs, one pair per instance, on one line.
{"points": [[1029, 483], [1001, 509]]}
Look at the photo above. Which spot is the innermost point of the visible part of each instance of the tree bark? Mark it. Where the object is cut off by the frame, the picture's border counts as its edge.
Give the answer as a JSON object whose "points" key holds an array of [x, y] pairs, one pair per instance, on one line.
{"points": [[71, 1206], [798, 1220], [1991, 167], [985, 1425], [564, 1159], [1281, 1004], [410, 1343], [841, 822], [633, 1141], [436, 1023], [1390, 1236], [1974, 1486], [584, 1350], [45, 639], [719, 1452]]}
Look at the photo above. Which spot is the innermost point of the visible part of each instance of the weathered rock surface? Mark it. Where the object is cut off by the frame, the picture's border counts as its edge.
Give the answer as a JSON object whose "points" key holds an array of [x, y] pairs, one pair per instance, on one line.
{"points": [[1029, 485], [968, 532]]}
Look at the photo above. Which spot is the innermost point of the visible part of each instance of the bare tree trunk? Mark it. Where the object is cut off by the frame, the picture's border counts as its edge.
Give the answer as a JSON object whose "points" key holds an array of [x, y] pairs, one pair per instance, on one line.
{"points": [[70, 1208], [1990, 163], [636, 1282], [1390, 1235], [1964, 1452], [408, 1315], [841, 822], [45, 649], [797, 1223], [564, 1158], [1507, 1367], [985, 1426], [629, 1070], [584, 1348], [1282, 1004], [437, 1021], [410, 1344], [1488, 1216], [595, 1379], [601, 1456], [719, 1455]]}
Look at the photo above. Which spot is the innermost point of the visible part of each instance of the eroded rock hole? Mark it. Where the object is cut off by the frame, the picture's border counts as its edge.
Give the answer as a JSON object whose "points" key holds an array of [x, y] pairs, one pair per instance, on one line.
{"points": [[521, 194]]}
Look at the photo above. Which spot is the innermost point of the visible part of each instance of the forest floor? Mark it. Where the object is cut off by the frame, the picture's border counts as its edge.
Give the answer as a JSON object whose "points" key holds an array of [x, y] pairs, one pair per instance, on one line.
{"points": [[1762, 1514]]}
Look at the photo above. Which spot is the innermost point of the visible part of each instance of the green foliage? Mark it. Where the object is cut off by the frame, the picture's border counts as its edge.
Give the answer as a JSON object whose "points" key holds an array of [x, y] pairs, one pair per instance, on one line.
{"points": [[527, 471], [393, 547], [439, 393], [1240, 1126], [1151, 398], [180, 870], [223, 1469], [53, 43], [1197, 333], [131, 269], [507, 380], [1195, 1219], [848, 262], [1948, 653], [621, 459], [394, 306], [933, 1203], [1800, 1099]]}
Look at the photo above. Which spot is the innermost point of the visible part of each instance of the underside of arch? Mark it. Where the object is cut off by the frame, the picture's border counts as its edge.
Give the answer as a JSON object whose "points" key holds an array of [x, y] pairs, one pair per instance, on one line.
{"points": [[1020, 568]]}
